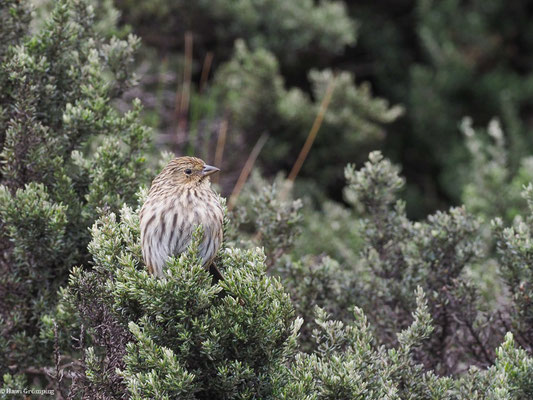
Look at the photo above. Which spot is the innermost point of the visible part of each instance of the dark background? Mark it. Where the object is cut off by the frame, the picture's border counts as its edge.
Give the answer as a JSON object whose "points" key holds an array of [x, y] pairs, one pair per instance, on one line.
{"points": [[440, 60]]}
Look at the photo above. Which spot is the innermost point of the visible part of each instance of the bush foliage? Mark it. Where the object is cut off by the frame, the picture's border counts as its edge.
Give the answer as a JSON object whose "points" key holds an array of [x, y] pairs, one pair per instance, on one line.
{"points": [[67, 155], [354, 300]]}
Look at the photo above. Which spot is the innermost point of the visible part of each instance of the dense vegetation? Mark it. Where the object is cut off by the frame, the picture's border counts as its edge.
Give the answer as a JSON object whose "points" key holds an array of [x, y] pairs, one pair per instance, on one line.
{"points": [[380, 296], [435, 62]]}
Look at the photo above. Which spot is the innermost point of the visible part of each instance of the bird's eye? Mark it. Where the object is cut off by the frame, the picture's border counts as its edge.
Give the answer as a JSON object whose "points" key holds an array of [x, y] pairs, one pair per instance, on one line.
{"points": [[188, 171]]}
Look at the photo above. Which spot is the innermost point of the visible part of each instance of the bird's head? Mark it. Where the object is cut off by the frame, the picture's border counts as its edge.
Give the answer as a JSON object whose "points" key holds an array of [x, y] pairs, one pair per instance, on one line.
{"points": [[189, 171]]}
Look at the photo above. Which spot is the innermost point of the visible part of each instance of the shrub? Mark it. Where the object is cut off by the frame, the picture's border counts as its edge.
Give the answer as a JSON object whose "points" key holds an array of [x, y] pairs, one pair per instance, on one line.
{"points": [[65, 153]]}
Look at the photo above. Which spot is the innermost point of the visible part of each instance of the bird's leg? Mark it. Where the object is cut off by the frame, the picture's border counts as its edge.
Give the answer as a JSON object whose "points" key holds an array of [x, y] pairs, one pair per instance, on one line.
{"points": [[215, 273], [217, 277]]}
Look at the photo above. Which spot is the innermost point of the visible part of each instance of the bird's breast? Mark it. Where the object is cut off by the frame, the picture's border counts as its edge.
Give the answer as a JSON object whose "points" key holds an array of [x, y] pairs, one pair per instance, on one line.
{"points": [[198, 208], [169, 218]]}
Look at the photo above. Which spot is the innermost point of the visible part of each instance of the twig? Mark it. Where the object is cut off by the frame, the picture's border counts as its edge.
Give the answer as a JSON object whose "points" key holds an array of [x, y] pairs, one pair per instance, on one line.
{"points": [[77, 375], [182, 106], [246, 170], [160, 80], [311, 136], [206, 67], [58, 376], [313, 132], [221, 143]]}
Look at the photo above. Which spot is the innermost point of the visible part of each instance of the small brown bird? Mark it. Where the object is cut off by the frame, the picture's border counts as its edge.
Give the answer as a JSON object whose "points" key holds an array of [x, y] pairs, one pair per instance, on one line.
{"points": [[180, 199]]}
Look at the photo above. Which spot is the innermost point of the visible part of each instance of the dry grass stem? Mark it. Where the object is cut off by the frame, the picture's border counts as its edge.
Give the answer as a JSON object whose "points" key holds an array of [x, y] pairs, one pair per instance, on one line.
{"points": [[221, 143], [248, 166], [182, 106], [206, 67], [313, 132], [289, 183]]}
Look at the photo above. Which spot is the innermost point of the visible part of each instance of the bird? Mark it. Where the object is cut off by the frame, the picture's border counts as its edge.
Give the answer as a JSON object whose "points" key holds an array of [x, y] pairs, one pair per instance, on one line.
{"points": [[181, 199]]}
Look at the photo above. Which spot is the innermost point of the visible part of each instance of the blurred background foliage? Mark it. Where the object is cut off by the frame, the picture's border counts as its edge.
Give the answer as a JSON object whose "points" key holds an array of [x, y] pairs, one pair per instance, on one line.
{"points": [[405, 74]]}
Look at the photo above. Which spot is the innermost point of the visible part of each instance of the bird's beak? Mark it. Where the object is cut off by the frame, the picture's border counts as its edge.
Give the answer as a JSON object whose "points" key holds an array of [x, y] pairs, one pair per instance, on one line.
{"points": [[209, 170]]}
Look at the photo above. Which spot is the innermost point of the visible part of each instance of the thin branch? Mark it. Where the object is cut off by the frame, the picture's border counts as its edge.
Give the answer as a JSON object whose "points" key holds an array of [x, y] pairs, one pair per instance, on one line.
{"points": [[221, 143], [206, 67], [57, 358], [248, 166], [313, 132], [182, 106], [311, 136]]}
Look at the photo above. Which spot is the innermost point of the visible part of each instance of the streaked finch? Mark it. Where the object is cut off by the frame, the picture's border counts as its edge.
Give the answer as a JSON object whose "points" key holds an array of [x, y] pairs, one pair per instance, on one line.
{"points": [[180, 199]]}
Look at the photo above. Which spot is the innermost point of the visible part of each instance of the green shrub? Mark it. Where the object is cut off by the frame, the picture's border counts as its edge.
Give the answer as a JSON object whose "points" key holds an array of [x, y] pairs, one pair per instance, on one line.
{"points": [[66, 153], [291, 30], [251, 93], [392, 308], [443, 60]]}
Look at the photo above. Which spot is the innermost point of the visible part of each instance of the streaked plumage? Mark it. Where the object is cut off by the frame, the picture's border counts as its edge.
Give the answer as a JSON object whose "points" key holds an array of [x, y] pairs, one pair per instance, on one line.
{"points": [[179, 200]]}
